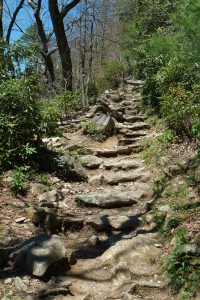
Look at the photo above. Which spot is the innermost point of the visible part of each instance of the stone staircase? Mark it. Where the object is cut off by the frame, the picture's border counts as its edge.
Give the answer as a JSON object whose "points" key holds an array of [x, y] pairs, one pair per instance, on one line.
{"points": [[123, 250]]}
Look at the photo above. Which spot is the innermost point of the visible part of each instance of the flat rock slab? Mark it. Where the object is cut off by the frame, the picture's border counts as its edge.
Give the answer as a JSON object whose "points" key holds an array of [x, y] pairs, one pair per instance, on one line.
{"points": [[122, 164], [118, 222], [129, 257], [134, 127], [130, 134], [123, 150], [109, 200], [91, 161], [134, 118], [128, 141], [106, 153], [121, 178]]}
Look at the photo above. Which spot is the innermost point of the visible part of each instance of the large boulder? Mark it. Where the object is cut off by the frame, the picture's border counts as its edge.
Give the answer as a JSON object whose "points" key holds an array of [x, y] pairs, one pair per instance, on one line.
{"points": [[104, 123], [39, 253]]}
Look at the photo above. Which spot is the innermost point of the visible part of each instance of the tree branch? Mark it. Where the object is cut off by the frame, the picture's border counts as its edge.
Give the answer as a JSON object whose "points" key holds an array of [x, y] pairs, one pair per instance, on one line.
{"points": [[12, 22], [68, 7]]}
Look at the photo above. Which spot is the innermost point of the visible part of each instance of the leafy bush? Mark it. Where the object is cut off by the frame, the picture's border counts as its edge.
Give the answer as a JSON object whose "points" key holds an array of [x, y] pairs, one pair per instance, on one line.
{"points": [[109, 76], [89, 128], [18, 184], [182, 268], [57, 109], [50, 116], [68, 102], [20, 119]]}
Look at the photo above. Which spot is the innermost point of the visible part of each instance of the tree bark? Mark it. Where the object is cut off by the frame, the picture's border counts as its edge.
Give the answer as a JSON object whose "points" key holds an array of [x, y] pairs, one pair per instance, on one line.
{"points": [[2, 58], [50, 74], [57, 18]]}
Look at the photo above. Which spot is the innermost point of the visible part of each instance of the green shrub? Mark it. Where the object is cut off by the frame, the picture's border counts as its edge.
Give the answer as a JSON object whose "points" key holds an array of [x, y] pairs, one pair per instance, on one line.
{"points": [[109, 76], [54, 110], [68, 102], [90, 128], [50, 117], [182, 268], [18, 184], [20, 119], [181, 112]]}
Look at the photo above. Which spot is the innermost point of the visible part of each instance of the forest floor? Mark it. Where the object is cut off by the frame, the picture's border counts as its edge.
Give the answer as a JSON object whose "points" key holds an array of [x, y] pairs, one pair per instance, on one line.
{"points": [[118, 250]]}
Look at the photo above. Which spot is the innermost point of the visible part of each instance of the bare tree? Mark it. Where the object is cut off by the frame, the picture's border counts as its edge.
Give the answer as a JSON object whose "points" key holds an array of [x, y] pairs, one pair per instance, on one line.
{"points": [[57, 18], [46, 53]]}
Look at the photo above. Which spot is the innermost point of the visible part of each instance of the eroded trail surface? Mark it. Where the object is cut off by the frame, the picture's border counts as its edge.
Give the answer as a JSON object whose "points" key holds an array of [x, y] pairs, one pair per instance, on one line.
{"points": [[118, 252], [117, 248]]}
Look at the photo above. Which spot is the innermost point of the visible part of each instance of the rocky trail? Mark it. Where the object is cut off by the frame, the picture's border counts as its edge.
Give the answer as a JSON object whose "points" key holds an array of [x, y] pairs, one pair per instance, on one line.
{"points": [[117, 249]]}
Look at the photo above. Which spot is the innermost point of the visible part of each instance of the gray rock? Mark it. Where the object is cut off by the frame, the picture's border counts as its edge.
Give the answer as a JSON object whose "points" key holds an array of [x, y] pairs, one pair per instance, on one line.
{"points": [[37, 188], [123, 150], [104, 123], [91, 161], [106, 153], [20, 285], [71, 168], [37, 254], [125, 164], [118, 222], [122, 178], [189, 248], [73, 147], [97, 180], [108, 200], [51, 196]]}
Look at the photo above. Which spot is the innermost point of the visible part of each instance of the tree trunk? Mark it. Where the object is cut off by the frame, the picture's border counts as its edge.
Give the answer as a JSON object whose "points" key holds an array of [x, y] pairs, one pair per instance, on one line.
{"points": [[62, 43], [2, 58], [46, 55]]}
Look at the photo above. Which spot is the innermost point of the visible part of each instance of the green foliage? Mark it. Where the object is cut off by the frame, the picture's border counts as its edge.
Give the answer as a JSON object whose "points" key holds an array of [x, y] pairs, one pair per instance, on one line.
{"points": [[67, 103], [162, 42], [19, 120], [109, 76], [158, 187], [157, 147], [89, 128], [43, 178], [18, 184], [182, 268], [50, 116], [57, 109]]}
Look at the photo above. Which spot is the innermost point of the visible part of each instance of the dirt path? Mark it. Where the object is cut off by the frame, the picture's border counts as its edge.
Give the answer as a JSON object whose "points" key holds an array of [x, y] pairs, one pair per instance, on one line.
{"points": [[117, 262], [118, 252]]}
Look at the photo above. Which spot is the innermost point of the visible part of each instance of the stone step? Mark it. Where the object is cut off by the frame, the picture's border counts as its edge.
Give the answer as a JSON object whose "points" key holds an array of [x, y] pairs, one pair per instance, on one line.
{"points": [[128, 141], [132, 134], [91, 161], [130, 177], [136, 126], [137, 118], [124, 164], [117, 222], [109, 200], [118, 150], [123, 150], [106, 152]]}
